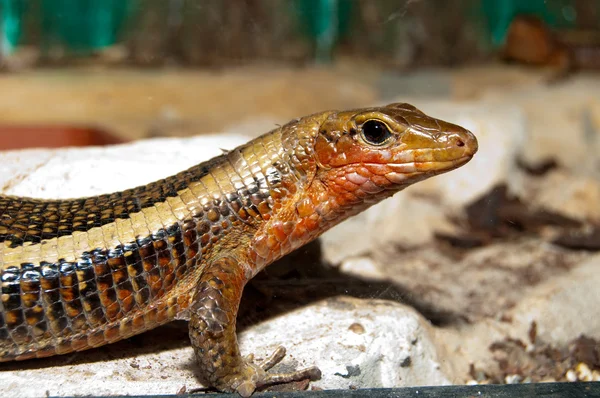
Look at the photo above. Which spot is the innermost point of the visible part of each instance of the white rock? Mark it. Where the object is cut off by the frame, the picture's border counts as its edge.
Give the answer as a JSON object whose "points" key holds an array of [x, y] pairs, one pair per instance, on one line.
{"points": [[361, 343], [571, 375], [76, 172], [363, 267], [573, 195], [563, 307], [114, 370], [562, 121], [403, 220], [383, 344], [513, 379], [583, 372]]}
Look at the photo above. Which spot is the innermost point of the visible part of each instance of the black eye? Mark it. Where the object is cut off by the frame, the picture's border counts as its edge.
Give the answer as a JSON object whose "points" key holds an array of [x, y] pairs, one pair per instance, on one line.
{"points": [[375, 132]]}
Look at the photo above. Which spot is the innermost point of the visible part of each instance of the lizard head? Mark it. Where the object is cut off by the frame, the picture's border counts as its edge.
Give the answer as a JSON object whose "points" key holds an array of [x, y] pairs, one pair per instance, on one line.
{"points": [[367, 154]]}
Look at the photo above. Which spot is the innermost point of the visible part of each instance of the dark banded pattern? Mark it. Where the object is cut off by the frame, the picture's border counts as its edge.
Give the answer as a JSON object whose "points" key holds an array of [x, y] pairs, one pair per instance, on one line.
{"points": [[48, 302], [32, 220]]}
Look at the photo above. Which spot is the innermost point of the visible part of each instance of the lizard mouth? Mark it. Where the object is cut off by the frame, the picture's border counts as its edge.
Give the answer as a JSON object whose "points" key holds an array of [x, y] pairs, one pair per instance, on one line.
{"points": [[423, 166], [442, 165], [407, 172]]}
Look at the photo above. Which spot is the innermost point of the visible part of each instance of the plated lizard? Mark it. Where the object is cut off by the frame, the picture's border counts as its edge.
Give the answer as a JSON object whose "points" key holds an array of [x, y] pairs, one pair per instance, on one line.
{"points": [[81, 273]]}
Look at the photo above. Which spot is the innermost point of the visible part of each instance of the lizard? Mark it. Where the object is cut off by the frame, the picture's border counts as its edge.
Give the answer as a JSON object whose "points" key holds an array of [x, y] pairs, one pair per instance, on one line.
{"points": [[81, 273]]}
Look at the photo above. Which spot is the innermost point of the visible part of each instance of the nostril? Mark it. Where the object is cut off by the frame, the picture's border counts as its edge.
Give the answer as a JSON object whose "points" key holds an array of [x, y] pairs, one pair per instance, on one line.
{"points": [[460, 142]]}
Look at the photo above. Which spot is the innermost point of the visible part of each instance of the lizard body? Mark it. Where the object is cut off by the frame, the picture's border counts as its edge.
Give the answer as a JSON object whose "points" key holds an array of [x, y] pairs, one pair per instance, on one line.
{"points": [[81, 273]]}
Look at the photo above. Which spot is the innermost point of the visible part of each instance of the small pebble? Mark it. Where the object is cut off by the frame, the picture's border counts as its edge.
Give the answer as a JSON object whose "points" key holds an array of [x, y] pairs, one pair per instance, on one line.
{"points": [[583, 372], [571, 375], [513, 379]]}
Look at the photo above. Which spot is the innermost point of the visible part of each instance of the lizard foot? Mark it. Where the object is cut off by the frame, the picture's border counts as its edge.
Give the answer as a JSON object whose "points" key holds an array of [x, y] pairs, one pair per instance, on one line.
{"points": [[255, 375]]}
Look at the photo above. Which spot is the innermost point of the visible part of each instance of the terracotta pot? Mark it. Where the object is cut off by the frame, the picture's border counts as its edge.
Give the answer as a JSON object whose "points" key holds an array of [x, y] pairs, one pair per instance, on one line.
{"points": [[19, 137]]}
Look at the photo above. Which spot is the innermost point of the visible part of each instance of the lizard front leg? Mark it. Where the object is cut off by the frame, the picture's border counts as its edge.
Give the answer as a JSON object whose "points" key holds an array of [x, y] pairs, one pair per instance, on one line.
{"points": [[212, 333]]}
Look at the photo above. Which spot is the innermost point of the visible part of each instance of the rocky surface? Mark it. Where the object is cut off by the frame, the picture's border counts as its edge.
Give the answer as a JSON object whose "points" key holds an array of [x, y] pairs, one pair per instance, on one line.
{"points": [[349, 339]]}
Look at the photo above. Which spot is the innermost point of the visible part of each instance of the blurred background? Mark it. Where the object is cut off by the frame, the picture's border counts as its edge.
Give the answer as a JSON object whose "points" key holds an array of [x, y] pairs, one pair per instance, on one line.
{"points": [[112, 70]]}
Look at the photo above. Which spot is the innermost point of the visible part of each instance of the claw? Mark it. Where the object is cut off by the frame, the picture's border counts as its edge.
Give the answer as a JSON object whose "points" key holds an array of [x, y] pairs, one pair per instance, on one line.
{"points": [[256, 376], [312, 373], [274, 359]]}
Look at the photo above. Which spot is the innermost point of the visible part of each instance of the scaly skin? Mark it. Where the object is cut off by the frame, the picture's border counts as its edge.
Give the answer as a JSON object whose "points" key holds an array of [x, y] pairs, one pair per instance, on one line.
{"points": [[82, 273]]}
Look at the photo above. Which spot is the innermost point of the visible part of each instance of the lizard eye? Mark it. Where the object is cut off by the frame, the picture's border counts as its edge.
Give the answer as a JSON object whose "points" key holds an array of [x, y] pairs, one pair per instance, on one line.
{"points": [[375, 132]]}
